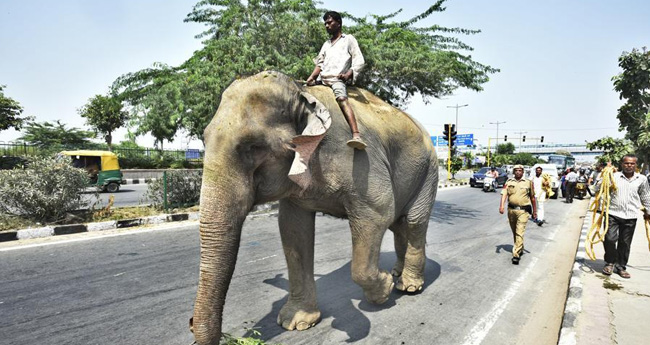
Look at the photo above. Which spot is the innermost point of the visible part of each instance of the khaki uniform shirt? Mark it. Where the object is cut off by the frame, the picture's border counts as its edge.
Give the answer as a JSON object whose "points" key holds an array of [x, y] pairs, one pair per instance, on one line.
{"points": [[518, 191]]}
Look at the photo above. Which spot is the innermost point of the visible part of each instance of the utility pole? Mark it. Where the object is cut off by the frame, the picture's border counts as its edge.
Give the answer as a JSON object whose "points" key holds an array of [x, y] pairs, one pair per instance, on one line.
{"points": [[520, 134], [497, 123], [457, 106]]}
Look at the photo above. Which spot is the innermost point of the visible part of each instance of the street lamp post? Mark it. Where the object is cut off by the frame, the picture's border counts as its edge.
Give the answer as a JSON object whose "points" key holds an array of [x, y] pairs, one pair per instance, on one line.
{"points": [[497, 123], [457, 106]]}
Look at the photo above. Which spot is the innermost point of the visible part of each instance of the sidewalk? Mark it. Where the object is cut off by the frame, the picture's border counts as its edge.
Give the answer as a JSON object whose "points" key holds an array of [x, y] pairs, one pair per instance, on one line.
{"points": [[608, 310]]}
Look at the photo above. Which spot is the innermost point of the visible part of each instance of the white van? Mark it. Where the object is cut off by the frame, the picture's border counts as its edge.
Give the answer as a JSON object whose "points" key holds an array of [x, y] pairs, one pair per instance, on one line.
{"points": [[550, 169]]}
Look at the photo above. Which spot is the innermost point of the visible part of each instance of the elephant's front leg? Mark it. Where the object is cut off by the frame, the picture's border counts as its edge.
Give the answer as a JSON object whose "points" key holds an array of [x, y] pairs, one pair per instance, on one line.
{"points": [[297, 233], [366, 245]]}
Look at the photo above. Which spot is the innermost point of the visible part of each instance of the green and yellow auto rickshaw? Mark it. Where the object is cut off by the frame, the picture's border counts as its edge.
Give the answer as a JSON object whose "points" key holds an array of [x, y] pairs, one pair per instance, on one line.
{"points": [[102, 166]]}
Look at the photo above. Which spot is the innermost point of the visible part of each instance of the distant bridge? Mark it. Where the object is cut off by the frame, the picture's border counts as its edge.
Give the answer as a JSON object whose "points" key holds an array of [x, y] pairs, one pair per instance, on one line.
{"points": [[579, 151]]}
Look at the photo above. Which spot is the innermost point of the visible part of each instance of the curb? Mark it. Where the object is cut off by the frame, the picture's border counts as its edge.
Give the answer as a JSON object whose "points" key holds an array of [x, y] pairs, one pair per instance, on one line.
{"points": [[573, 305], [453, 185], [59, 230], [138, 180]]}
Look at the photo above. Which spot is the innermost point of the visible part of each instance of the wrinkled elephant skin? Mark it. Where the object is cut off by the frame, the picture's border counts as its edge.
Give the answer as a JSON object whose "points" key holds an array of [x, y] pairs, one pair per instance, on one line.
{"points": [[249, 152]]}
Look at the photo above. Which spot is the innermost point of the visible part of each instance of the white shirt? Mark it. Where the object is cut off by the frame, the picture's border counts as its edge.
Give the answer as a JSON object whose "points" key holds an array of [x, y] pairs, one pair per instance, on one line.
{"points": [[572, 177], [537, 185], [629, 196], [338, 57]]}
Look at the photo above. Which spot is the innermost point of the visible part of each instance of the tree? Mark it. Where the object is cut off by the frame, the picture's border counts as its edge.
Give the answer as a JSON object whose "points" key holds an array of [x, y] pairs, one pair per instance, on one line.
{"points": [[104, 114], [563, 153], [614, 149], [456, 165], [506, 149], [469, 159], [55, 136], [524, 158], [633, 85], [10, 112], [285, 35]]}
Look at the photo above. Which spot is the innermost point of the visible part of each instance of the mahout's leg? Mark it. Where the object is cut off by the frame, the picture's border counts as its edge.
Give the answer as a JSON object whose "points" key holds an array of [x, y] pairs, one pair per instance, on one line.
{"points": [[297, 232]]}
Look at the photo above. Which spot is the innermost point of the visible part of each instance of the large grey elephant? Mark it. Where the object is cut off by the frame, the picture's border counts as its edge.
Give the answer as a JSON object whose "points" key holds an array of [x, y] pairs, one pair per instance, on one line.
{"points": [[254, 142]]}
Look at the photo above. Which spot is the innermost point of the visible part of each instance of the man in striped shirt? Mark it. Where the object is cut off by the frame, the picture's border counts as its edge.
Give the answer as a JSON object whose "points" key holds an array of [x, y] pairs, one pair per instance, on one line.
{"points": [[632, 191]]}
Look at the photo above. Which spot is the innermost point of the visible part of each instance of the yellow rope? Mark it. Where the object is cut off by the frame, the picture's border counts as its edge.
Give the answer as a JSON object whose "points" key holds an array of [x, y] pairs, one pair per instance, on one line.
{"points": [[546, 185], [600, 207]]}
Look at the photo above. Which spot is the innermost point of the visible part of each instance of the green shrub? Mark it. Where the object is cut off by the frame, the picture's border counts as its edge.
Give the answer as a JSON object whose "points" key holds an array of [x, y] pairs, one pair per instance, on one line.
{"points": [[45, 191], [183, 189]]}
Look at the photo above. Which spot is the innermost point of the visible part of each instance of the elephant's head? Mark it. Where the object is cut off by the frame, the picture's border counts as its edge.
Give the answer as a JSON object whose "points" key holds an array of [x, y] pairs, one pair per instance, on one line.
{"points": [[249, 151]]}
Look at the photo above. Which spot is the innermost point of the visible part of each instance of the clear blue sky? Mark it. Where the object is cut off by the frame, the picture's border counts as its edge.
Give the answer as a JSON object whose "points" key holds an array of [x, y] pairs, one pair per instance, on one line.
{"points": [[556, 58]]}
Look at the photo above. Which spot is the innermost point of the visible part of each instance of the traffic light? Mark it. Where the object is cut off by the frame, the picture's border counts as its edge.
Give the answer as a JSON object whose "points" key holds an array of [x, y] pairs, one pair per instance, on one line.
{"points": [[524, 138], [445, 132], [505, 138], [542, 139], [452, 136]]}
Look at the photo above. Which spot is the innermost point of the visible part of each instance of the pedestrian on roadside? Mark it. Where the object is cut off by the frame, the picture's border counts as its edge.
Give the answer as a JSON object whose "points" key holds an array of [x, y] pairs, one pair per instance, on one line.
{"points": [[632, 192], [571, 180], [520, 195], [540, 195]]}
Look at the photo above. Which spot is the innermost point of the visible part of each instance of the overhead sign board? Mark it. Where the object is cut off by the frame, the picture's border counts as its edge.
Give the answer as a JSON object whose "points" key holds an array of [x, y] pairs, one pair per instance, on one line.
{"points": [[461, 140], [192, 154]]}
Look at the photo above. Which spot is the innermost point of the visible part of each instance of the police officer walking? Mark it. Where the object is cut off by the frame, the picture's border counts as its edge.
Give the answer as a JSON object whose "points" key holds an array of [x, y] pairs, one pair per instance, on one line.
{"points": [[521, 202]]}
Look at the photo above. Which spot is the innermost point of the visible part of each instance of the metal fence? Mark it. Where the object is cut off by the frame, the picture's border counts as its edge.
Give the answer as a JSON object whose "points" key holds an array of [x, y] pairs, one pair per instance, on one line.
{"points": [[12, 148]]}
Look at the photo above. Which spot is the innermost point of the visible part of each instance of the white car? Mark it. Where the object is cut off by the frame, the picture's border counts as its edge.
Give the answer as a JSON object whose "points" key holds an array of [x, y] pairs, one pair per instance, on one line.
{"points": [[550, 169]]}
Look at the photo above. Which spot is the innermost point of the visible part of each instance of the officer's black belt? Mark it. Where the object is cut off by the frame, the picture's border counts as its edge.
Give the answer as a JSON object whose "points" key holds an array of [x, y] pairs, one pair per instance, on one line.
{"points": [[518, 207]]}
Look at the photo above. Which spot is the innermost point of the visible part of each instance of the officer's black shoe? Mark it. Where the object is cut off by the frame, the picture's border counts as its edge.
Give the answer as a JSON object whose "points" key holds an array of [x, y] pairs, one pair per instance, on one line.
{"points": [[515, 261], [540, 222]]}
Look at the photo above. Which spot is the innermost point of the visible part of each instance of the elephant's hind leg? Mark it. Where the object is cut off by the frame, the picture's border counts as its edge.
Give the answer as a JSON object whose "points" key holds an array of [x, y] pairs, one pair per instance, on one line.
{"points": [[366, 243], [410, 242], [297, 232]]}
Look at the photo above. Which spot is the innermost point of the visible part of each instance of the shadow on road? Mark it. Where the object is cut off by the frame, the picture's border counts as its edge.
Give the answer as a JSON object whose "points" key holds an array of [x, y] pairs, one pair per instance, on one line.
{"points": [[449, 213], [336, 293]]}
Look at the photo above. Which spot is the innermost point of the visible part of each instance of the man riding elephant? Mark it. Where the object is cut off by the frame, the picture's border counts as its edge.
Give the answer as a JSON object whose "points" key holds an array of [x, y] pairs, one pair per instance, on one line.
{"points": [[338, 63]]}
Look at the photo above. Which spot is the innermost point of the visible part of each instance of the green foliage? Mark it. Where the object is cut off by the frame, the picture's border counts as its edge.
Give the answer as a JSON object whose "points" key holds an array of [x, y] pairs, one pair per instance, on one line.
{"points": [[53, 137], [563, 153], [285, 35], [183, 188], [469, 159], [10, 112], [614, 149], [456, 165], [633, 85], [44, 191], [524, 158], [506, 149], [104, 114], [500, 160]]}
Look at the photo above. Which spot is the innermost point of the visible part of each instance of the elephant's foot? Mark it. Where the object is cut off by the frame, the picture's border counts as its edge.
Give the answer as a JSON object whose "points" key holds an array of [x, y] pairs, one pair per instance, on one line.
{"points": [[408, 283], [296, 315], [379, 292]]}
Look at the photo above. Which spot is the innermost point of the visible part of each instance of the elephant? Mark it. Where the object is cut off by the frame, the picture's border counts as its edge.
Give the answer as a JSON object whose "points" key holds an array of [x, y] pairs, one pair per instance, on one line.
{"points": [[251, 146]]}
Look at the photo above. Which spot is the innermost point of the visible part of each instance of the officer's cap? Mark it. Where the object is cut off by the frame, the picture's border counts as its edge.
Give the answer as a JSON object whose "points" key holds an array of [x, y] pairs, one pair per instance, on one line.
{"points": [[518, 166]]}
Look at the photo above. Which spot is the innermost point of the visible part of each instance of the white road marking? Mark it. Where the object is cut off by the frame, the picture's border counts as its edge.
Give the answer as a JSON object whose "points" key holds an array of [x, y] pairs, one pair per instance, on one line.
{"points": [[264, 258], [125, 232], [482, 328]]}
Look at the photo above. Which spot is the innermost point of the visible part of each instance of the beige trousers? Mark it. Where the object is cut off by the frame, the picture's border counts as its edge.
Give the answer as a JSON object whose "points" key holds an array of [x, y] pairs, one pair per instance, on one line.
{"points": [[518, 220]]}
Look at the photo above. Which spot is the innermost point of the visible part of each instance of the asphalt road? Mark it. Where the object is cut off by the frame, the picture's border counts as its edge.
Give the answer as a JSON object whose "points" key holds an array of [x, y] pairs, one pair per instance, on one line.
{"points": [[128, 195], [138, 287]]}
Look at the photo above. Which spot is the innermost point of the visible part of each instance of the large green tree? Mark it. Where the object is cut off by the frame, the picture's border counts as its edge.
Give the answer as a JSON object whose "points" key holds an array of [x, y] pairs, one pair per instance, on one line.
{"points": [[104, 114], [506, 149], [614, 149], [633, 86], [10, 112], [55, 136], [241, 38]]}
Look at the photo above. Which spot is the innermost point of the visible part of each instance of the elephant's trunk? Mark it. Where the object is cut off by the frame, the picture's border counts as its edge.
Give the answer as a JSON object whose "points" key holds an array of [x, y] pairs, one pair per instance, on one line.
{"points": [[225, 202]]}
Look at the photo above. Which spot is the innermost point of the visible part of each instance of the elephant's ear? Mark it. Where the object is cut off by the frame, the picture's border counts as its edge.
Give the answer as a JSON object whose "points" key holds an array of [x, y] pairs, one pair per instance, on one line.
{"points": [[318, 122]]}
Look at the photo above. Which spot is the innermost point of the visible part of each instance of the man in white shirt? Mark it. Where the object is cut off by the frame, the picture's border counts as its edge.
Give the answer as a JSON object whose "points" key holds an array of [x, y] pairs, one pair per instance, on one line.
{"points": [[571, 180], [632, 191], [339, 62], [540, 195]]}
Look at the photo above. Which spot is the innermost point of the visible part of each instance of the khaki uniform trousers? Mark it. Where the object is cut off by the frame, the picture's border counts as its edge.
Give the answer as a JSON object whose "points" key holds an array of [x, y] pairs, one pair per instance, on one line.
{"points": [[518, 220]]}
